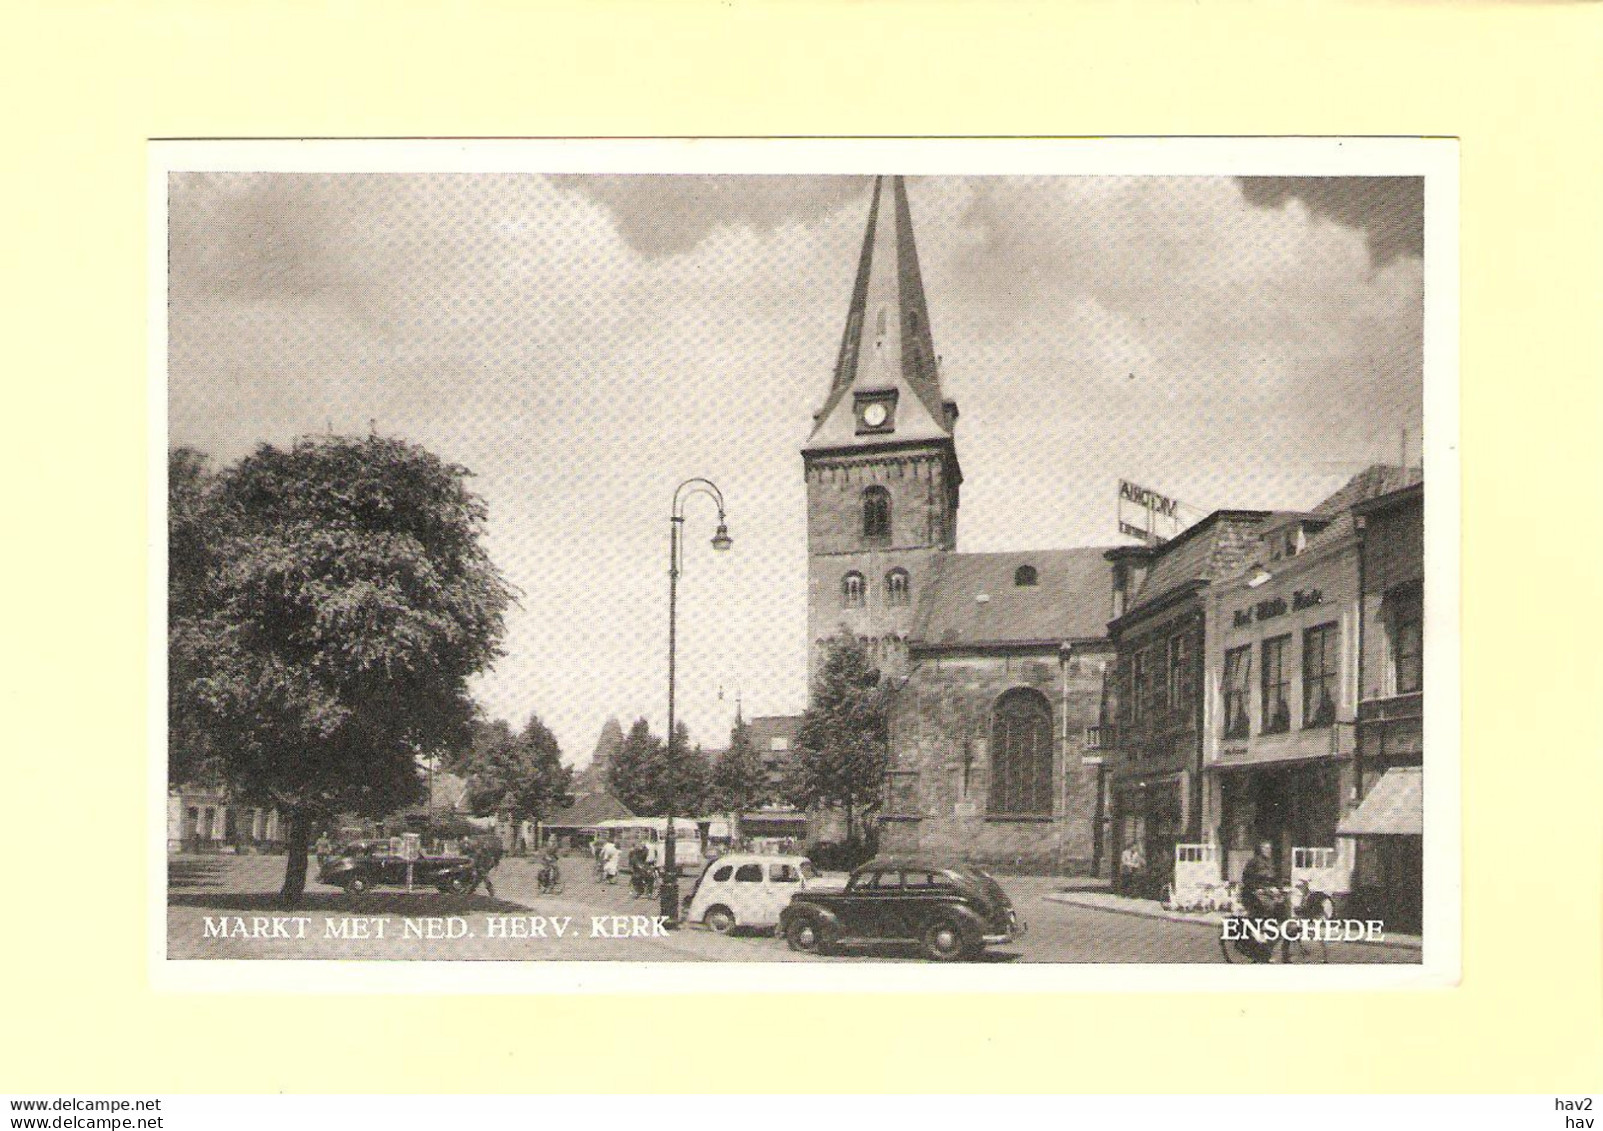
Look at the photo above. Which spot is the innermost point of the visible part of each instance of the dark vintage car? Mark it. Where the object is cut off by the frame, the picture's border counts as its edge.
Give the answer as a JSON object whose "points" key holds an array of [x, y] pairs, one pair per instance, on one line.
{"points": [[951, 910], [369, 864]]}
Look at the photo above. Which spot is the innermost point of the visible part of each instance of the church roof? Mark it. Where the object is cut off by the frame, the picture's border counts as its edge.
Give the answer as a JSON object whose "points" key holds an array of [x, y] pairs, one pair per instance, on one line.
{"points": [[887, 346], [974, 599]]}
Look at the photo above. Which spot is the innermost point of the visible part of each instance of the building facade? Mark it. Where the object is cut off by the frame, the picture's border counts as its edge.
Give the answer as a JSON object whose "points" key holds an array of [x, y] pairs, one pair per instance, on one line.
{"points": [[1387, 827], [207, 819], [1153, 714], [1282, 679], [988, 729], [1281, 703]]}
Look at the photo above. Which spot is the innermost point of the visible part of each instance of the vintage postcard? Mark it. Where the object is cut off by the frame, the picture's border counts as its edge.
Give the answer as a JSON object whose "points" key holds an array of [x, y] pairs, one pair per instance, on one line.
{"points": [[712, 565]]}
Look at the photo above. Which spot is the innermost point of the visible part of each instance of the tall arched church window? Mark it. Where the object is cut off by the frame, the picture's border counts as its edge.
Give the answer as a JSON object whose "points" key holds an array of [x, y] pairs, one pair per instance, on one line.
{"points": [[851, 590], [876, 513], [897, 587], [1021, 755]]}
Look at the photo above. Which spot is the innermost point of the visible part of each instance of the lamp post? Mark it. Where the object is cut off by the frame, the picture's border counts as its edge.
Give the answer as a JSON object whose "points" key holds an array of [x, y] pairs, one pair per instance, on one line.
{"points": [[720, 542]]}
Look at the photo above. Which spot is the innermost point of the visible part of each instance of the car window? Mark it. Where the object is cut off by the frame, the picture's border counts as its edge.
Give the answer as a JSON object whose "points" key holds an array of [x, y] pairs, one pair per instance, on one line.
{"points": [[883, 880], [917, 881], [723, 873], [862, 881], [749, 874], [783, 874], [808, 871]]}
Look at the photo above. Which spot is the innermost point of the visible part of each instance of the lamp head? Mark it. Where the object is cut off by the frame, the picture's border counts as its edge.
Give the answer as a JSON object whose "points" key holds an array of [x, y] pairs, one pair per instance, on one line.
{"points": [[721, 541]]}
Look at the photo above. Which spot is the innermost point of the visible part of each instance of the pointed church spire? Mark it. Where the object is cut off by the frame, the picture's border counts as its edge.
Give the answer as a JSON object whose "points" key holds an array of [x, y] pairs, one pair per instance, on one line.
{"points": [[887, 354]]}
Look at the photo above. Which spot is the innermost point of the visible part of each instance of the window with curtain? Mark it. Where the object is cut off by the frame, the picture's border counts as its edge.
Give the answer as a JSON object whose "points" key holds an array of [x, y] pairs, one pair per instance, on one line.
{"points": [[1237, 680], [1276, 702], [1320, 660]]}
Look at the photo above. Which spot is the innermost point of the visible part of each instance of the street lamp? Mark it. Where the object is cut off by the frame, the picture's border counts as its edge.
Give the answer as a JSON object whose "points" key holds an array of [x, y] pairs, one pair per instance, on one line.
{"points": [[720, 542]]}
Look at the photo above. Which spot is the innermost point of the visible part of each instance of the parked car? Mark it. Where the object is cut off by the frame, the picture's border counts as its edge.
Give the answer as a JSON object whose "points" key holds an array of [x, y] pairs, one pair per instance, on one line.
{"points": [[742, 889], [367, 864], [951, 910]]}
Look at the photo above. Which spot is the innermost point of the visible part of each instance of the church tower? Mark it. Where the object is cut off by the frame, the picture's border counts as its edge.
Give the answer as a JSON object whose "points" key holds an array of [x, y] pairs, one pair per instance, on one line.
{"points": [[881, 463]]}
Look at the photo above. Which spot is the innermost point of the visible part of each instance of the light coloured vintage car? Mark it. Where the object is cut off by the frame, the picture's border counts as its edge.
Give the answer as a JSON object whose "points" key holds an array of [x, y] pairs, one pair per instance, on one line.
{"points": [[748, 890]]}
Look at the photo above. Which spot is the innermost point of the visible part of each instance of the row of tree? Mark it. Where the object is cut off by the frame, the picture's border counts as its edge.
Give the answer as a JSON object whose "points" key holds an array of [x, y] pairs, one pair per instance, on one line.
{"points": [[327, 605], [839, 757]]}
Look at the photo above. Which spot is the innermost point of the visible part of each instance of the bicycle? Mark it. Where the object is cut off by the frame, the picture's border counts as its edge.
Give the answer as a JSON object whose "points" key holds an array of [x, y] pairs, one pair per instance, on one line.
{"points": [[550, 878], [1290, 905]]}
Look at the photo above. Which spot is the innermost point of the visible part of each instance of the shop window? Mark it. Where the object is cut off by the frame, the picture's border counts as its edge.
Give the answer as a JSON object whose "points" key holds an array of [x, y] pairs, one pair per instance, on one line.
{"points": [[851, 590], [1237, 681], [1021, 755], [1319, 664], [1276, 702], [897, 587], [876, 514], [1405, 623]]}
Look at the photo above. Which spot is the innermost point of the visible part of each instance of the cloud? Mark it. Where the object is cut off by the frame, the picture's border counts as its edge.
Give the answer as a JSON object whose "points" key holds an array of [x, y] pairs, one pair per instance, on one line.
{"points": [[583, 345], [1390, 211], [667, 215]]}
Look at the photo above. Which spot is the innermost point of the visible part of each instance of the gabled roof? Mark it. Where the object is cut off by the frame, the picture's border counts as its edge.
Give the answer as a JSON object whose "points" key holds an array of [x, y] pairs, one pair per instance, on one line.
{"points": [[591, 807], [1221, 544], [972, 600], [1373, 482], [887, 346]]}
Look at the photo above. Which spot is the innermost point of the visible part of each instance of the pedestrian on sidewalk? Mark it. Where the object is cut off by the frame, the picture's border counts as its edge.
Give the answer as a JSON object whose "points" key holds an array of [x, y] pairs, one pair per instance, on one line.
{"points": [[1133, 869]]}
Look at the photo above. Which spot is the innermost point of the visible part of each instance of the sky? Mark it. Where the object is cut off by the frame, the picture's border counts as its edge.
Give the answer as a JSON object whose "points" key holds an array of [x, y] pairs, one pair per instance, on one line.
{"points": [[584, 343]]}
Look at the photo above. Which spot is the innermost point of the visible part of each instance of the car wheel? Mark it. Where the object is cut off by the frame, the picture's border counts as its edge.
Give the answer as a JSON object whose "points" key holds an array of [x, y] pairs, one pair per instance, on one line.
{"points": [[356, 885], [720, 920], [944, 941], [460, 885], [806, 934]]}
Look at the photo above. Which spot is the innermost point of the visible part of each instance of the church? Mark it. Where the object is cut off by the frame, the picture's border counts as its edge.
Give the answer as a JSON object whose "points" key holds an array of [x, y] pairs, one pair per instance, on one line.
{"points": [[996, 660]]}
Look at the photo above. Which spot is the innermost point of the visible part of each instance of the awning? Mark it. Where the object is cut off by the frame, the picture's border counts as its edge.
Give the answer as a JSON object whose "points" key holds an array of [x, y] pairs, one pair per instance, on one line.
{"points": [[1394, 807]]}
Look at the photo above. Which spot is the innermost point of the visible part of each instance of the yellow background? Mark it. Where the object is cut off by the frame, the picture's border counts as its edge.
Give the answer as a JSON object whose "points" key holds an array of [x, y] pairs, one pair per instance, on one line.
{"points": [[83, 86]]}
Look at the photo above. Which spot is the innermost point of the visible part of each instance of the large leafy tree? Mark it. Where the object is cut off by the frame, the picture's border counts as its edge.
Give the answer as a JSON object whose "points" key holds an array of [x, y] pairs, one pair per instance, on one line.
{"points": [[650, 780], [337, 599], [739, 780], [521, 773], [841, 747]]}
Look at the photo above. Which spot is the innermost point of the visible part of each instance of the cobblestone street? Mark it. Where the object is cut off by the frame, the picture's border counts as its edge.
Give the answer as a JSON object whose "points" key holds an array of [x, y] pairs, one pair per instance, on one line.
{"points": [[224, 887]]}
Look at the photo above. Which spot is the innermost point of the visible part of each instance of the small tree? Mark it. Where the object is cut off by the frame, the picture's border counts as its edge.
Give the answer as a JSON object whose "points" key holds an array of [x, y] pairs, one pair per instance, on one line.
{"points": [[523, 774], [842, 745], [635, 770], [739, 779]]}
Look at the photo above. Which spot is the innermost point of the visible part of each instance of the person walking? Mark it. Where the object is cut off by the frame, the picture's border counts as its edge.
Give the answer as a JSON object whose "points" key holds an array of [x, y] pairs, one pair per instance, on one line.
{"points": [[609, 862]]}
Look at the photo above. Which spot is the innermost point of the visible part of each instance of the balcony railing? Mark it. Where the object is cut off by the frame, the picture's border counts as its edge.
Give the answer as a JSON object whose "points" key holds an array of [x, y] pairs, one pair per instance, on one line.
{"points": [[1410, 706], [1101, 738]]}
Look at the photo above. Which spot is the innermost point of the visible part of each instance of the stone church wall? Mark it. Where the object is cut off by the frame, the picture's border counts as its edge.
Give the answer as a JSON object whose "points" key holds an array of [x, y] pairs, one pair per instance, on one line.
{"points": [[940, 768]]}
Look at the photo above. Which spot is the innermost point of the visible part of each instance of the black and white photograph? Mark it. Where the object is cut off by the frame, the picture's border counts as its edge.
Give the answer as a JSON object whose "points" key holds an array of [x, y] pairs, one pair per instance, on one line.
{"points": [[933, 562]]}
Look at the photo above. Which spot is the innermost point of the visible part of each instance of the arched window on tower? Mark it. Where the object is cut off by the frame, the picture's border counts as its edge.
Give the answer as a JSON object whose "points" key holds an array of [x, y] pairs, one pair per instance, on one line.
{"points": [[897, 587], [876, 514], [1021, 755], [1024, 575], [851, 590]]}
